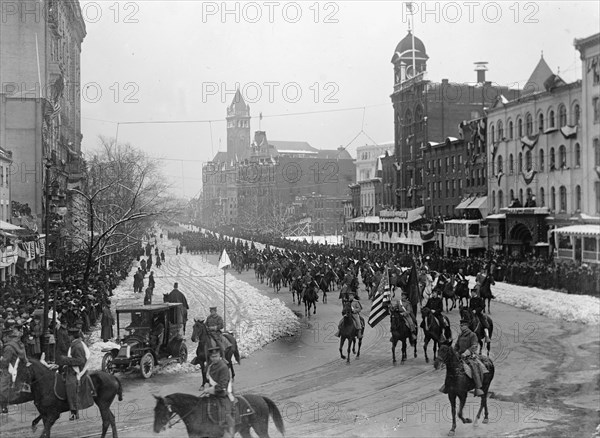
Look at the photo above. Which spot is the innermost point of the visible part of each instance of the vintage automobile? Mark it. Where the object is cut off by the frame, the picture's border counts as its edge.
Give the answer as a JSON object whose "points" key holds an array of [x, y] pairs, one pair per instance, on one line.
{"points": [[143, 344]]}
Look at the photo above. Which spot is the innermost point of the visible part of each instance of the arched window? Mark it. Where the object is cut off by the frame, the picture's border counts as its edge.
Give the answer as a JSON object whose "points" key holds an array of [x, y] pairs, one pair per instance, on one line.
{"points": [[510, 130], [576, 114], [562, 115], [552, 159], [596, 145], [521, 196], [578, 198], [492, 134], [542, 197], [408, 122], [520, 168], [520, 128], [541, 160], [529, 124], [493, 199], [563, 198], [551, 119], [553, 199], [562, 156], [500, 164], [528, 161], [500, 130], [577, 155], [541, 122], [511, 164], [529, 193], [500, 201], [512, 197]]}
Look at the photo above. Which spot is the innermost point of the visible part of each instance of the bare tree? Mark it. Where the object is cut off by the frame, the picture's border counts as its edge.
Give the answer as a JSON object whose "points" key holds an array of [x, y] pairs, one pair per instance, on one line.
{"points": [[124, 193]]}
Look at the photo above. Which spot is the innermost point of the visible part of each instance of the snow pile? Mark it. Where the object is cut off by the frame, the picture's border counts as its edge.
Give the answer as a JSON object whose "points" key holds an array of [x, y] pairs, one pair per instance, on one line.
{"points": [[255, 319], [558, 305]]}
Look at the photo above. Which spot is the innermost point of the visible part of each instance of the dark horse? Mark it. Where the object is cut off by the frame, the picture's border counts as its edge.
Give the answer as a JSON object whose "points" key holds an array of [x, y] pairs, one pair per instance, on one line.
{"points": [[477, 328], [296, 287], [485, 291], [433, 331], [41, 380], [400, 332], [205, 339], [458, 384], [194, 412], [310, 297], [349, 332], [462, 291]]}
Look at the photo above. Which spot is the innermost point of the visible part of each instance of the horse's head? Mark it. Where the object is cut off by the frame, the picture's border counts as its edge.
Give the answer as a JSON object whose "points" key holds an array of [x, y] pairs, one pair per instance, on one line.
{"points": [[162, 413], [347, 308], [445, 351], [199, 330]]}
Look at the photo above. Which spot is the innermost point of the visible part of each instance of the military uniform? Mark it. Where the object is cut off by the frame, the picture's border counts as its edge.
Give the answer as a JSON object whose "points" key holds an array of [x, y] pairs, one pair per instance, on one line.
{"points": [[477, 306], [404, 307], [466, 346], [76, 361], [219, 379], [436, 305]]}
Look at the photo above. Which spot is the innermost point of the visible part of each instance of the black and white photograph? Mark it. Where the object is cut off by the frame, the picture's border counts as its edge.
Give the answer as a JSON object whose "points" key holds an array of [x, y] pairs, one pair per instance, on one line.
{"points": [[301, 219]]}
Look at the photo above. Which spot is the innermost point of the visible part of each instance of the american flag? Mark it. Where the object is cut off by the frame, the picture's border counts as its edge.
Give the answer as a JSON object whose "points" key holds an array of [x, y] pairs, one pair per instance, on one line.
{"points": [[379, 308]]}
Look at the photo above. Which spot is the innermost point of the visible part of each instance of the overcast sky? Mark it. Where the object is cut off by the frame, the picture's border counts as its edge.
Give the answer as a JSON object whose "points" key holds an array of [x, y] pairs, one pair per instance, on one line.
{"points": [[181, 61]]}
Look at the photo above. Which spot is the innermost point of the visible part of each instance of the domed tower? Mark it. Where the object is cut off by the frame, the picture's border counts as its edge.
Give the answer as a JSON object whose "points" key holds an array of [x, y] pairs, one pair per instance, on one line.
{"points": [[410, 58], [238, 128]]}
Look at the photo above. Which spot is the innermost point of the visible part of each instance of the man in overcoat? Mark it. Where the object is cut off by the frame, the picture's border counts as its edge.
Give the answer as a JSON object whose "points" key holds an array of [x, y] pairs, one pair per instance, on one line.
{"points": [[220, 386]]}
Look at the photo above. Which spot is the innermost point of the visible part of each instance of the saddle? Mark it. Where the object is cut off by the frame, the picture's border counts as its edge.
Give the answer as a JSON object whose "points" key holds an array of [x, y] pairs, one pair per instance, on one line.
{"points": [[85, 394], [475, 361], [241, 408]]}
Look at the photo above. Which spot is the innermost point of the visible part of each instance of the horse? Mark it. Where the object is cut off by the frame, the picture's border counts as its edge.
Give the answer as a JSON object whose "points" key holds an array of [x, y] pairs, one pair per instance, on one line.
{"points": [[323, 286], [458, 384], [194, 412], [477, 328], [276, 278], [349, 332], [41, 380], [296, 287], [310, 297], [400, 332], [201, 334], [485, 291], [433, 331], [462, 292]]}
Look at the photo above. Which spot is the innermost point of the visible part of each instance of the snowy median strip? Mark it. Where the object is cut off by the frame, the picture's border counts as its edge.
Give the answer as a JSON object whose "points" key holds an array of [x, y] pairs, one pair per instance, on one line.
{"points": [[558, 305]]}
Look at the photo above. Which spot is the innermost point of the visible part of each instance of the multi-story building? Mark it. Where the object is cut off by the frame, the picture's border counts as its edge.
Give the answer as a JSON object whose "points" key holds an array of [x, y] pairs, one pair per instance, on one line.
{"points": [[5, 197], [367, 158], [427, 111], [40, 49]]}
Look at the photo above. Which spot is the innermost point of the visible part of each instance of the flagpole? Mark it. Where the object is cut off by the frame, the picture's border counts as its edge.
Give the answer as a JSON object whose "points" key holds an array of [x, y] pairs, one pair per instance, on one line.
{"points": [[224, 301]]}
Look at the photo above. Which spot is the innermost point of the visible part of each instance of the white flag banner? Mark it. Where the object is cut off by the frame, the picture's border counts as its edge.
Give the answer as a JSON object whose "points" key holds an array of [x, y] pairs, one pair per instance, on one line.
{"points": [[224, 260]]}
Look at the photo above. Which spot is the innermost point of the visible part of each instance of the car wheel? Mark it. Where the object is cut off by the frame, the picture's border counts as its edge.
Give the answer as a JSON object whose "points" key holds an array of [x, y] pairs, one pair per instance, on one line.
{"points": [[107, 363], [183, 353], [147, 365]]}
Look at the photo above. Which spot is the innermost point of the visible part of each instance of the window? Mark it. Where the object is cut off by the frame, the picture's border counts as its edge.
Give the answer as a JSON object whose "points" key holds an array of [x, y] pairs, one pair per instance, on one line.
{"points": [[453, 187], [589, 244], [541, 122], [520, 168], [512, 196], [562, 156], [439, 165], [578, 198], [562, 115], [1, 176], [542, 197], [596, 152], [597, 186], [576, 114], [563, 198], [493, 200], [511, 164], [541, 160], [577, 155], [553, 199], [500, 130], [447, 164], [521, 196], [596, 106], [407, 122], [528, 161], [520, 128], [551, 119], [492, 134], [552, 160], [460, 187], [510, 130], [529, 124], [500, 202]]}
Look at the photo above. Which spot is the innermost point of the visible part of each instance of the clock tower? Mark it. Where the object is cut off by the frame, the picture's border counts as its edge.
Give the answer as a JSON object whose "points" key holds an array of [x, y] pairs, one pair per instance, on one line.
{"points": [[238, 129]]}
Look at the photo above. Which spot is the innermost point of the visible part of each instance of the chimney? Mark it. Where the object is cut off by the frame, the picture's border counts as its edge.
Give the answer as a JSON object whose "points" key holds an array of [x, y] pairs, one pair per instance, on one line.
{"points": [[481, 68]]}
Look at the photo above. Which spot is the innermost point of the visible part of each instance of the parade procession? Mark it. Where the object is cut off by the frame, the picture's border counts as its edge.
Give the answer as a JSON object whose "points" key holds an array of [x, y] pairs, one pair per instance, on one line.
{"points": [[223, 219]]}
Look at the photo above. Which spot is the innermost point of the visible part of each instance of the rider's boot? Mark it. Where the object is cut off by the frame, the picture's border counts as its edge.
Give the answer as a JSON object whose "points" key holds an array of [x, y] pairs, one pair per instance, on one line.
{"points": [[477, 379], [443, 389], [487, 336]]}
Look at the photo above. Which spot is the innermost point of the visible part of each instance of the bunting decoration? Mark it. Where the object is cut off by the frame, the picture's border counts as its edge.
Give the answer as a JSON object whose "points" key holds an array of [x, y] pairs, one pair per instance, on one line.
{"points": [[569, 131], [529, 175], [529, 141], [427, 235]]}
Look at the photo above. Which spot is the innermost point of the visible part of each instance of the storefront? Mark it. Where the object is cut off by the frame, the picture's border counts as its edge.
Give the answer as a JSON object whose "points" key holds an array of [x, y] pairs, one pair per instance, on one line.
{"points": [[401, 230], [363, 232], [464, 237]]}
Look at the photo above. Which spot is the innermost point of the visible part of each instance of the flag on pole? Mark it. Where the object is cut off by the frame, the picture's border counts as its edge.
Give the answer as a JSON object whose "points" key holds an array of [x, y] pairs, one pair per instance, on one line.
{"points": [[379, 308], [413, 286], [224, 260]]}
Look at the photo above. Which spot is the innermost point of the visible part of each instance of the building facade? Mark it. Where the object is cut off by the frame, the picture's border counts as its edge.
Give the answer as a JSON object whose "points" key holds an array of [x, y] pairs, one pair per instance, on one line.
{"points": [[5, 196], [367, 157]]}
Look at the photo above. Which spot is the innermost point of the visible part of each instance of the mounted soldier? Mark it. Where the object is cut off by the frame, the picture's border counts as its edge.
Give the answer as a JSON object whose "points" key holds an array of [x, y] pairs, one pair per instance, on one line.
{"points": [[12, 353], [356, 308], [215, 325], [435, 307], [76, 363], [403, 306], [477, 306]]}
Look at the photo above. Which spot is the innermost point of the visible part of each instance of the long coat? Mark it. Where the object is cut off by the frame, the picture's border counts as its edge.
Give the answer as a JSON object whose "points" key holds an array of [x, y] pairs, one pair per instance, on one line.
{"points": [[176, 296], [77, 359], [108, 320]]}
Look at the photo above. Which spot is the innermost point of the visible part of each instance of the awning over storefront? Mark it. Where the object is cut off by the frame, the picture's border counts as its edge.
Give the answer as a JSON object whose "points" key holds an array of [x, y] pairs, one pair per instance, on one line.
{"points": [[579, 230], [364, 220], [9, 227], [476, 203]]}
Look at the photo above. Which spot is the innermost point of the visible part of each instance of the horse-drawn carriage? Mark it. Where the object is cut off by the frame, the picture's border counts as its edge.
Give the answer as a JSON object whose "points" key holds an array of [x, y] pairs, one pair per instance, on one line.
{"points": [[153, 338]]}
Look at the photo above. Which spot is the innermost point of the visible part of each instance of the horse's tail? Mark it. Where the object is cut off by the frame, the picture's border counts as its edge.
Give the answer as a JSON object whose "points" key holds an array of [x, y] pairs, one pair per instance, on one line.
{"points": [[274, 411], [119, 389], [447, 333], [236, 354]]}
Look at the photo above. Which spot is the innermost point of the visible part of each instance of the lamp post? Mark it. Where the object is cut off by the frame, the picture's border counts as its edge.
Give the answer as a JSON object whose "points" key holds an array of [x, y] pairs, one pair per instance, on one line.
{"points": [[47, 231]]}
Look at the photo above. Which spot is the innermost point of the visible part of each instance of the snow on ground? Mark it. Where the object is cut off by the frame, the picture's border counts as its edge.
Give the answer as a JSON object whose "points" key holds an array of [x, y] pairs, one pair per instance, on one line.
{"points": [[557, 305], [255, 319]]}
